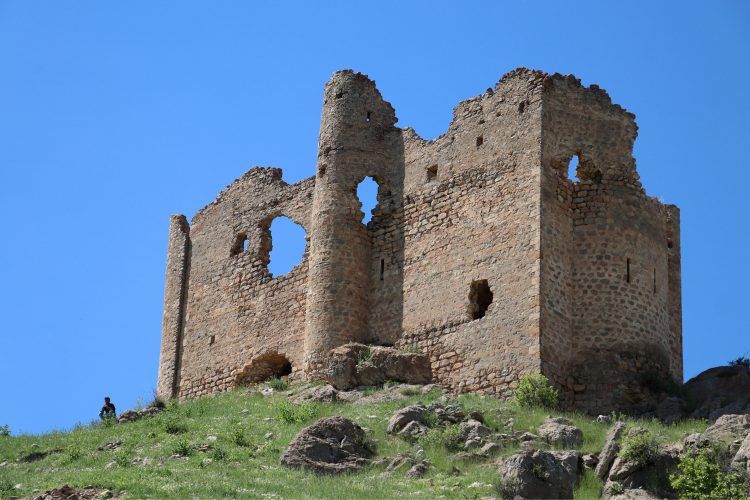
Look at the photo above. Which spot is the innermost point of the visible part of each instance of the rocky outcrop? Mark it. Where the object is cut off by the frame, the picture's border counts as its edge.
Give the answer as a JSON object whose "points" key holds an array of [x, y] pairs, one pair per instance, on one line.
{"points": [[728, 428], [719, 391], [610, 450], [559, 431], [133, 415], [741, 460], [540, 474], [70, 493], [330, 446], [353, 365], [316, 394], [652, 477]]}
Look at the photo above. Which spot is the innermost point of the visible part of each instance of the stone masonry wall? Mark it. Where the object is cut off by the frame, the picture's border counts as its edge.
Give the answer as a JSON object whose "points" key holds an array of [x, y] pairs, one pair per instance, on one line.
{"points": [[235, 309], [583, 274]]}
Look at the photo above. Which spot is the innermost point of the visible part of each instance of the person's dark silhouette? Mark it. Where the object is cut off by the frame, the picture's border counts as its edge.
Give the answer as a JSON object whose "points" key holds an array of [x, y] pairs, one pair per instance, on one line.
{"points": [[108, 410]]}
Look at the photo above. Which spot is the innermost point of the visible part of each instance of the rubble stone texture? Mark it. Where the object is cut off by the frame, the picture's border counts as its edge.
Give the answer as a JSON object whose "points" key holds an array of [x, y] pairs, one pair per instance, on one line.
{"points": [[481, 253]]}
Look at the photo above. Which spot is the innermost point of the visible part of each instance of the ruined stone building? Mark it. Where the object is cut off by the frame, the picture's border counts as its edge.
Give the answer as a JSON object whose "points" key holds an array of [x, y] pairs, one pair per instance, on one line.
{"points": [[482, 252]]}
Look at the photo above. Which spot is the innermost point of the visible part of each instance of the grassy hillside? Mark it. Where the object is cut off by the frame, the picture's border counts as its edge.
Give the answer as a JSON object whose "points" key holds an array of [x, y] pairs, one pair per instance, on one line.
{"points": [[229, 446]]}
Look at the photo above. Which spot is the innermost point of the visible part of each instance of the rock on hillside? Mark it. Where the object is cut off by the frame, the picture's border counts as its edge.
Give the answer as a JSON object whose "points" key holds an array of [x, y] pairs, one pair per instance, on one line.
{"points": [[330, 446], [353, 365]]}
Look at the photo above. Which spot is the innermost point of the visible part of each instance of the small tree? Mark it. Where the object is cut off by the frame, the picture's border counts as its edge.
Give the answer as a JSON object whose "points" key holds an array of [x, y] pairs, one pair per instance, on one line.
{"points": [[700, 476], [536, 390], [4, 431]]}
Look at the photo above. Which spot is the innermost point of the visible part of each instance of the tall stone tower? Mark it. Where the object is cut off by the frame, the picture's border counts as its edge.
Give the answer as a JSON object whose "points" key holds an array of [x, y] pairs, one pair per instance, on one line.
{"points": [[357, 139]]}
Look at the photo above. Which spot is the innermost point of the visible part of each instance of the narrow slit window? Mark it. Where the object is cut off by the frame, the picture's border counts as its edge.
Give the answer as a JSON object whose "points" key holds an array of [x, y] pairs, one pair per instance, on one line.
{"points": [[367, 119], [627, 270], [212, 340], [654, 281], [382, 268]]}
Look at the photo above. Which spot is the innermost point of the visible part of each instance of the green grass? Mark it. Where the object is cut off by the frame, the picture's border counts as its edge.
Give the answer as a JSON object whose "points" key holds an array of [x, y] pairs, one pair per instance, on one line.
{"points": [[160, 457]]}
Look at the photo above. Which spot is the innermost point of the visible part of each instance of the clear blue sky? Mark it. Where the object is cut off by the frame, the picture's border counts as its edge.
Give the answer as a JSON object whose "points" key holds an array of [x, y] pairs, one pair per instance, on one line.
{"points": [[114, 115]]}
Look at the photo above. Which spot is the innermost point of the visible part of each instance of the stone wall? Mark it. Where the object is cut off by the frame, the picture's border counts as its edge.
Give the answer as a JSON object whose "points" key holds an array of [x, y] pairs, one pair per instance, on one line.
{"points": [[481, 252]]}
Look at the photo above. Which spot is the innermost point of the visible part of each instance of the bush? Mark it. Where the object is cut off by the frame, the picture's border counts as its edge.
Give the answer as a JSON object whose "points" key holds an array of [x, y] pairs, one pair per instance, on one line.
{"points": [[173, 425], [277, 384], [700, 476], [536, 390], [741, 361], [639, 446], [443, 437], [6, 486], [183, 448], [239, 438], [122, 458], [365, 356], [296, 414], [4, 431], [411, 349], [72, 455], [218, 455]]}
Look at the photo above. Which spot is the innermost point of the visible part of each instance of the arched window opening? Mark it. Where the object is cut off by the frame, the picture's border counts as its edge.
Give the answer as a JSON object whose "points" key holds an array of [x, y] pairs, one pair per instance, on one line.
{"points": [[240, 244], [573, 167], [264, 367], [287, 246], [480, 298], [367, 192]]}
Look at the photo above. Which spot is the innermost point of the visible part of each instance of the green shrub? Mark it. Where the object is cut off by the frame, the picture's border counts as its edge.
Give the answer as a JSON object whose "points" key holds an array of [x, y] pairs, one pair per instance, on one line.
{"points": [[639, 446], [365, 355], [183, 448], [6, 486], [617, 488], [122, 458], [411, 349], [218, 455], [277, 384], [174, 425], [296, 414], [72, 455], [700, 476], [536, 390], [238, 437], [409, 391], [443, 437], [4, 431], [741, 361], [108, 421]]}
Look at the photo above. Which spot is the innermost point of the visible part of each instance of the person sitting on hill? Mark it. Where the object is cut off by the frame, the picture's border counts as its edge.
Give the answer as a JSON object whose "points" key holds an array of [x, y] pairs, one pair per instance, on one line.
{"points": [[108, 410]]}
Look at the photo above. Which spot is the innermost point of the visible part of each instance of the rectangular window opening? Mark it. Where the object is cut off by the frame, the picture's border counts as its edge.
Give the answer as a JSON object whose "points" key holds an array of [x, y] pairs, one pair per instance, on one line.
{"points": [[480, 140], [368, 117], [211, 340], [654, 281], [432, 173], [382, 268]]}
